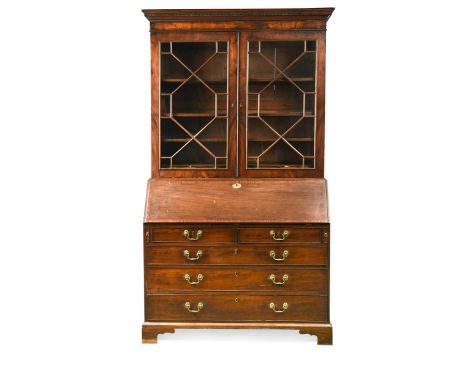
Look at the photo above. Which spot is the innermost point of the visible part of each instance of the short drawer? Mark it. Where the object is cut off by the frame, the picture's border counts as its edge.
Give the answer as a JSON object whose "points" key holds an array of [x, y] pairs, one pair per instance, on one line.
{"points": [[190, 234], [280, 234], [231, 307], [242, 255], [232, 279]]}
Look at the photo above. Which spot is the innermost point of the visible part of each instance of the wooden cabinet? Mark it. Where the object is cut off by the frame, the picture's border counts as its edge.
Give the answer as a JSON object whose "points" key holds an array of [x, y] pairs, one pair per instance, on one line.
{"points": [[236, 230]]}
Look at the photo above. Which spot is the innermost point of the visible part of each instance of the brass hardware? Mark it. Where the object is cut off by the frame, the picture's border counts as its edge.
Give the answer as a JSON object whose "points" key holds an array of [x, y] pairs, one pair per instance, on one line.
{"points": [[198, 255], [199, 278], [273, 307], [273, 255], [147, 236], [236, 186], [236, 274], [236, 299], [285, 234], [187, 234], [325, 237], [199, 307], [273, 279]]}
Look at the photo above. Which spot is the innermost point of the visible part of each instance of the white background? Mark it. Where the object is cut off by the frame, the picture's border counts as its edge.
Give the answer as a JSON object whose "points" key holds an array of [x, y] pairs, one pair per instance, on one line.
{"points": [[75, 156]]}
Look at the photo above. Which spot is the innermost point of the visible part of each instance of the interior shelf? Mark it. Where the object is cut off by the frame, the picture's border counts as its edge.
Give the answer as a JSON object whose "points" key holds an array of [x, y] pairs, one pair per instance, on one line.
{"points": [[277, 79], [282, 79], [223, 140], [277, 113], [280, 166], [191, 165], [211, 115], [180, 80], [274, 139], [213, 140]]}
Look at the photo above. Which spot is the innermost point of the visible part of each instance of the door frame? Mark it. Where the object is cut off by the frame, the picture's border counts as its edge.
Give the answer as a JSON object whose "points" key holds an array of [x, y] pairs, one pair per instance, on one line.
{"points": [[319, 37], [189, 36]]}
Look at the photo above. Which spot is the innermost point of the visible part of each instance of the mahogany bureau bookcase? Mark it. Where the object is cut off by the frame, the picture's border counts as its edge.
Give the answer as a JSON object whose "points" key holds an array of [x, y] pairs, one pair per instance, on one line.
{"points": [[236, 229]]}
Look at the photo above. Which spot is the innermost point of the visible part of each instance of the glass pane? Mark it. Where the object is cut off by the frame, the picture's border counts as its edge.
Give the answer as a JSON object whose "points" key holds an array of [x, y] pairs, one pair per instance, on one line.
{"points": [[193, 105], [281, 104]]}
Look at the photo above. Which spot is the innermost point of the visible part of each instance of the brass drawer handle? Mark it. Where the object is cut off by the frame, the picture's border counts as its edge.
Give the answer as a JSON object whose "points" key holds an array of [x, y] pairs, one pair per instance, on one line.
{"points": [[199, 307], [198, 236], [199, 278], [196, 257], [273, 307], [273, 279], [273, 255], [284, 235]]}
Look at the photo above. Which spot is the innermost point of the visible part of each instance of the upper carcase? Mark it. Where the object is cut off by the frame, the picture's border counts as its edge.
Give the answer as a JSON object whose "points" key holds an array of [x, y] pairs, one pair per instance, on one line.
{"points": [[235, 95]]}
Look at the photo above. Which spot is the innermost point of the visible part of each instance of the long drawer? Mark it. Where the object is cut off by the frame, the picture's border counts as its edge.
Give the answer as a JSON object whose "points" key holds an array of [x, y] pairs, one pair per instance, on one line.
{"points": [[241, 255], [263, 279], [229, 307]]}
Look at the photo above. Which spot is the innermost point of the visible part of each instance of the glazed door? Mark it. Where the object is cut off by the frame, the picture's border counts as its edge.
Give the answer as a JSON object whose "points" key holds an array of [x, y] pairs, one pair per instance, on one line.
{"points": [[281, 120], [194, 116]]}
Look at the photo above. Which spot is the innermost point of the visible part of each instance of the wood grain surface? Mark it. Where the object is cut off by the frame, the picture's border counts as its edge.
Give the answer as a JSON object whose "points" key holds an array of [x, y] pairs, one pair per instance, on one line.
{"points": [[256, 201], [232, 279], [237, 19], [323, 332], [240, 255], [232, 307], [217, 274]]}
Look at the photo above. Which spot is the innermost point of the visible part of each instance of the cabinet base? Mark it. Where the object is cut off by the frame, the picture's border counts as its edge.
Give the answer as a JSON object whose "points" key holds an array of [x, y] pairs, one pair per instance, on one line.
{"points": [[150, 330]]}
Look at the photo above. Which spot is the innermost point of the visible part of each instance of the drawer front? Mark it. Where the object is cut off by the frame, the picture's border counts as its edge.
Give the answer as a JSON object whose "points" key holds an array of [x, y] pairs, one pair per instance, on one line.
{"points": [[229, 307], [265, 279], [280, 234], [191, 234], [242, 255]]}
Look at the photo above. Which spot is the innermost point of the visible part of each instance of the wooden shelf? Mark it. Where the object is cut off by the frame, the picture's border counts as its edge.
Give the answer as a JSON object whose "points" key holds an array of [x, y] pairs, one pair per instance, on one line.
{"points": [[212, 140], [281, 166], [274, 139], [277, 113], [177, 80], [282, 79], [193, 115], [187, 166], [222, 140]]}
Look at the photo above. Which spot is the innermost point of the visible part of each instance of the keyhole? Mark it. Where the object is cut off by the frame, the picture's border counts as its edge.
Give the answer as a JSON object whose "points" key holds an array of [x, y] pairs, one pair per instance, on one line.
{"points": [[236, 274]]}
